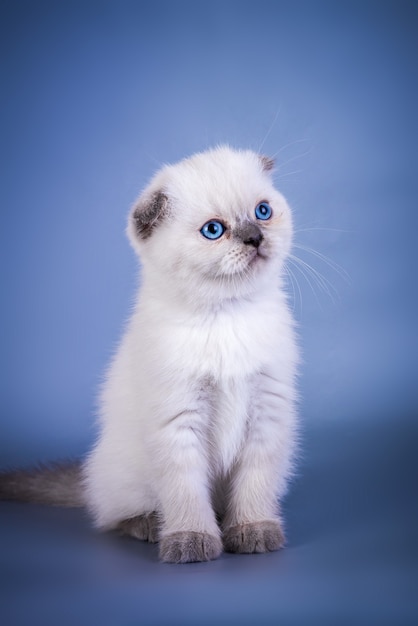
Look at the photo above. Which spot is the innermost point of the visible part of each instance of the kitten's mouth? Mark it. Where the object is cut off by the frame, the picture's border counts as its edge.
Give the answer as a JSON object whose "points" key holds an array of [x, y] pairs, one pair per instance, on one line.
{"points": [[256, 256], [244, 267]]}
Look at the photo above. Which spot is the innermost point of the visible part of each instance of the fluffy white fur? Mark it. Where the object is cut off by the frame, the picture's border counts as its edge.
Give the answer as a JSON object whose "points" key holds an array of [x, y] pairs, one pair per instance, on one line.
{"points": [[197, 418]]}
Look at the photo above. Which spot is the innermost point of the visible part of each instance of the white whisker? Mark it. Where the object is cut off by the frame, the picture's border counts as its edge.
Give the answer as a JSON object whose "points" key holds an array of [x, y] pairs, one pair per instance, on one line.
{"points": [[269, 130], [310, 273], [305, 275], [292, 280], [285, 174], [294, 158], [334, 230], [288, 145], [332, 264]]}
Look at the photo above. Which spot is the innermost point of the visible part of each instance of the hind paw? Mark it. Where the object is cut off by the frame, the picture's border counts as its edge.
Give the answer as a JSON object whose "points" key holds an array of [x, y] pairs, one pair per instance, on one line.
{"points": [[144, 527]]}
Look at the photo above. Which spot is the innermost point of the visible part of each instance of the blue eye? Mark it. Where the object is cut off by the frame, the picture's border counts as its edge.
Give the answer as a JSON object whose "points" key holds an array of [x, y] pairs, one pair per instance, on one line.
{"points": [[212, 229], [263, 211]]}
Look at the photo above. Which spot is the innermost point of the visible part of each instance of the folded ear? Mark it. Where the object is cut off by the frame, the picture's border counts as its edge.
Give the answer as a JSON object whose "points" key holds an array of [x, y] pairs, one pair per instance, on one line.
{"points": [[267, 163], [148, 213]]}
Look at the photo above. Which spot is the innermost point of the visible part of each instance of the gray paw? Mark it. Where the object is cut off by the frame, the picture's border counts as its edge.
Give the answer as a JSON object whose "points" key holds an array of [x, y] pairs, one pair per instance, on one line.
{"points": [[189, 547], [255, 537], [144, 527]]}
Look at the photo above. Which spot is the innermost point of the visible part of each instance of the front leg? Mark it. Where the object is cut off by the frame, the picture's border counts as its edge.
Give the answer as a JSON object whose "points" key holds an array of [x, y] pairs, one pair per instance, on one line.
{"points": [[258, 479], [189, 529]]}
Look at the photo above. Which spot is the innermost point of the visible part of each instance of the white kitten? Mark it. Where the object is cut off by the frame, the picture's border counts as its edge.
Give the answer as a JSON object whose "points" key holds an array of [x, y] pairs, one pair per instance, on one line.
{"points": [[197, 412]]}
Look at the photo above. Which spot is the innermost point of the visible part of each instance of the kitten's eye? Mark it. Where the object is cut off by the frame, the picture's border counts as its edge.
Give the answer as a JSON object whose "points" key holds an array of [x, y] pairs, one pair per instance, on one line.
{"points": [[263, 211], [212, 229]]}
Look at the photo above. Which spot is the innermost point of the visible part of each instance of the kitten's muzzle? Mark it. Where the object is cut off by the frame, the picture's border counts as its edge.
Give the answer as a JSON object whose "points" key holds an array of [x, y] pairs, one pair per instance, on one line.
{"points": [[250, 234]]}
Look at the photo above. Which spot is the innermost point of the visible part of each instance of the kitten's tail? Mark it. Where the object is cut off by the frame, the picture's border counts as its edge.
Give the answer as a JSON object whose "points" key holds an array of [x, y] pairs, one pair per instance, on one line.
{"points": [[56, 485]]}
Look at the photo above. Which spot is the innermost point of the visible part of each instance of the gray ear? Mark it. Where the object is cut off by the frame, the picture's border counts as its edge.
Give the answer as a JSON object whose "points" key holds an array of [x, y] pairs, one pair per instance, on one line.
{"points": [[267, 163], [148, 213]]}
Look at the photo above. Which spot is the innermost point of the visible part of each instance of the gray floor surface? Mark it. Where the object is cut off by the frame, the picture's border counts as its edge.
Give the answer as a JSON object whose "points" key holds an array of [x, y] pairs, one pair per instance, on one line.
{"points": [[351, 556]]}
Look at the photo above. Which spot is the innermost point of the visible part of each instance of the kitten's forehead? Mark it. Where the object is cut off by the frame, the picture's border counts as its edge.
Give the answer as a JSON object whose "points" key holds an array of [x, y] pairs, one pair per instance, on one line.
{"points": [[219, 181]]}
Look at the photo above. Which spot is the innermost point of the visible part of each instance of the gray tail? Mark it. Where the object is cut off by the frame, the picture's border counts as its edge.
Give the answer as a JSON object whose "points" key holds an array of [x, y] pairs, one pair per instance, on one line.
{"points": [[56, 485]]}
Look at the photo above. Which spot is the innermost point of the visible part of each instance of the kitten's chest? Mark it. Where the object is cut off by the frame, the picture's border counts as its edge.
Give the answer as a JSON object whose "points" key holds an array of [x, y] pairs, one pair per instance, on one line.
{"points": [[230, 410], [229, 345]]}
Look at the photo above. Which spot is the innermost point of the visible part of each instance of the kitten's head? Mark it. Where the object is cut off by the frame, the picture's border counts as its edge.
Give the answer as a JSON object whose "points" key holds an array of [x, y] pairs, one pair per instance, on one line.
{"points": [[213, 224]]}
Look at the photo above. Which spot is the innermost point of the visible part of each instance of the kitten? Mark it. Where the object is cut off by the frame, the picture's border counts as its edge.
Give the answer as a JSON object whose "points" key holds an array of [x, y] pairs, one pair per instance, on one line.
{"points": [[197, 428]]}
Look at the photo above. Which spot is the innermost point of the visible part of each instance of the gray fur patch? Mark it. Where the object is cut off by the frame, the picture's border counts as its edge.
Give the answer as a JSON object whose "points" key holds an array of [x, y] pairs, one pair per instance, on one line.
{"points": [[143, 527], [254, 537], [189, 547], [57, 485], [148, 214], [267, 163]]}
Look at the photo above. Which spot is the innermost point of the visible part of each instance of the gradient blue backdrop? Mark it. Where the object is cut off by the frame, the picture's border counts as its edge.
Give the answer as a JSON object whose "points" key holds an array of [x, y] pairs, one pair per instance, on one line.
{"points": [[96, 95]]}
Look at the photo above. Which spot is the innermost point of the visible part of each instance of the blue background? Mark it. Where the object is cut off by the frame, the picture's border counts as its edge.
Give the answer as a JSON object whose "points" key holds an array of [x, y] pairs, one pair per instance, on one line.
{"points": [[95, 97]]}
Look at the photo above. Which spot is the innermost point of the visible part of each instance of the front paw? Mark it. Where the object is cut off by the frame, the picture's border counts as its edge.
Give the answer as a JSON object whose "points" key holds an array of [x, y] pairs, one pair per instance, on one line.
{"points": [[253, 537], [189, 547]]}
